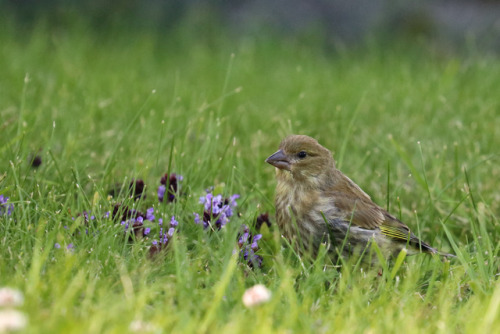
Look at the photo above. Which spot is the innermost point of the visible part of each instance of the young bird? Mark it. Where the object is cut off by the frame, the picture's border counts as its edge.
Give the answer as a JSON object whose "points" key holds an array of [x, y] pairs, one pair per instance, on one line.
{"points": [[316, 203]]}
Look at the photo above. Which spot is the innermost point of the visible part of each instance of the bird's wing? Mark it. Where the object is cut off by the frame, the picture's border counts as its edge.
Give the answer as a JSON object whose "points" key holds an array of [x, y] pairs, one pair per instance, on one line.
{"points": [[359, 211], [395, 229], [357, 206], [366, 214]]}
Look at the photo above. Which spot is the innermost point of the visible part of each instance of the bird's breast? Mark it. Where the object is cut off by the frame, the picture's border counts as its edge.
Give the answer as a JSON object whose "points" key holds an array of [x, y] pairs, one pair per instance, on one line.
{"points": [[298, 212]]}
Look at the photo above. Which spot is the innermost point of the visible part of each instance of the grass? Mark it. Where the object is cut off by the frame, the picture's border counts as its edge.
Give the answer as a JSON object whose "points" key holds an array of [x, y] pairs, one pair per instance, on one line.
{"points": [[412, 124]]}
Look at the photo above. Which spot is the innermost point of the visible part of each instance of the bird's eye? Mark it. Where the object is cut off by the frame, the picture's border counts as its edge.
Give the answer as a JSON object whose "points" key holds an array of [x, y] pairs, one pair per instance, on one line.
{"points": [[302, 154]]}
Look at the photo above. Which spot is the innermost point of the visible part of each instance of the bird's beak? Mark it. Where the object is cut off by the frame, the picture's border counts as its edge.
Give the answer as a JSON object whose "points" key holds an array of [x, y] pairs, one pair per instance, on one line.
{"points": [[279, 160]]}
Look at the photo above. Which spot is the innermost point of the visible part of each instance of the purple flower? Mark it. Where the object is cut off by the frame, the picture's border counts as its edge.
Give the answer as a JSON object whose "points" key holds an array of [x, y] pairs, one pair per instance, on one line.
{"points": [[207, 200], [243, 239], [217, 209], [233, 200], [125, 224], [57, 245], [253, 260], [161, 192], [147, 230], [248, 252], [130, 218], [149, 214], [255, 240], [164, 238], [5, 208], [70, 246], [222, 220], [198, 220], [169, 184], [86, 217], [217, 205]]}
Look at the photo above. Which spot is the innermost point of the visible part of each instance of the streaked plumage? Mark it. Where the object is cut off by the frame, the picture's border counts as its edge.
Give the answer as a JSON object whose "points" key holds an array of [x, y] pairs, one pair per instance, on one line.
{"points": [[317, 203]]}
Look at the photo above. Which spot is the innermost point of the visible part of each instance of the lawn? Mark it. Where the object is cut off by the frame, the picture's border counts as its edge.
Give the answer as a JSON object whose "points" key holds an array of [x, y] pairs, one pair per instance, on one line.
{"points": [[415, 125]]}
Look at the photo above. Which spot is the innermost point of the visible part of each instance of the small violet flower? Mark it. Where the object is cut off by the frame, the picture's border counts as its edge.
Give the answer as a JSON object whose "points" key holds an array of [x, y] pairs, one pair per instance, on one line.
{"points": [[217, 210], [132, 217], [5, 207], [163, 238], [149, 214], [169, 184], [249, 245], [173, 222], [161, 192]]}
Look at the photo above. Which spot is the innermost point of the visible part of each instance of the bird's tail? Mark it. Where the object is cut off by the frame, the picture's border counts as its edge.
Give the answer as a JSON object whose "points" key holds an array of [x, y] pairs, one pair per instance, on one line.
{"points": [[447, 255], [432, 250], [426, 248]]}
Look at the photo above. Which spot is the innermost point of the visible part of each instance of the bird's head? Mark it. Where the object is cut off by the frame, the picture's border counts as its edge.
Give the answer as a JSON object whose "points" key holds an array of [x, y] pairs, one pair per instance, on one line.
{"points": [[302, 156]]}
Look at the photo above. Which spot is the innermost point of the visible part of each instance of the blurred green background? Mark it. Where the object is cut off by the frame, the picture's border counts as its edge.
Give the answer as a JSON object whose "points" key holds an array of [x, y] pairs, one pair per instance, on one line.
{"points": [[454, 23]]}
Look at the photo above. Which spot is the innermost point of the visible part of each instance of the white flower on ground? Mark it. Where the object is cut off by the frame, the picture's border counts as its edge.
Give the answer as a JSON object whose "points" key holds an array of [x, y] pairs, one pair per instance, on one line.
{"points": [[10, 297], [256, 295], [12, 320], [139, 326]]}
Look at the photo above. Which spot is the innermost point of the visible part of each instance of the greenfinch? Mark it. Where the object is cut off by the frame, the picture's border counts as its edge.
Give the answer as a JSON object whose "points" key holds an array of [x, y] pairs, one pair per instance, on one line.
{"points": [[317, 204]]}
